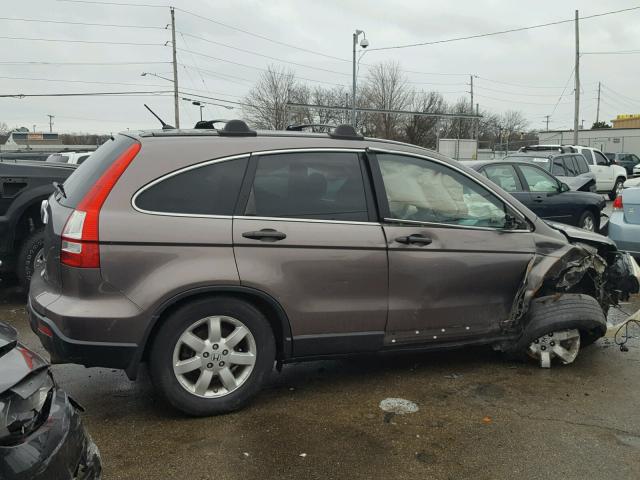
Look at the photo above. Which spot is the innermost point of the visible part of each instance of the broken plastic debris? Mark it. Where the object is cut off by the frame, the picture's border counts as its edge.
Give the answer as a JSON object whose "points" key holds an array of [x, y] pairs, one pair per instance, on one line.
{"points": [[246, 454], [399, 406], [303, 455], [453, 376], [486, 420]]}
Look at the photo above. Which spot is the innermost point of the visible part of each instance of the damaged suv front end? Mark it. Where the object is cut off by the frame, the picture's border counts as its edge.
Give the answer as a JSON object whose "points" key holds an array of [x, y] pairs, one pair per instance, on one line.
{"points": [[567, 291]]}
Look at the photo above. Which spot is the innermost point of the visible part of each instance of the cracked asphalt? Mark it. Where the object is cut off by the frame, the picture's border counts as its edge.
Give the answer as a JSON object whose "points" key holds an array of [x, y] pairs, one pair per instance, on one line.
{"points": [[480, 416]]}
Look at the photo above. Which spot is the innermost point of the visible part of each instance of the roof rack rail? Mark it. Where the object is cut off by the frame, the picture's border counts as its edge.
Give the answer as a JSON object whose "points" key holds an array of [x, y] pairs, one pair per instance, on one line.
{"points": [[345, 132], [236, 128], [301, 127], [208, 124]]}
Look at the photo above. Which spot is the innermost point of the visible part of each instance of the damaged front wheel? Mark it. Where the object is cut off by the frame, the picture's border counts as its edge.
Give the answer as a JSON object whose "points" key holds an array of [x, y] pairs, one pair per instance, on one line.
{"points": [[562, 344]]}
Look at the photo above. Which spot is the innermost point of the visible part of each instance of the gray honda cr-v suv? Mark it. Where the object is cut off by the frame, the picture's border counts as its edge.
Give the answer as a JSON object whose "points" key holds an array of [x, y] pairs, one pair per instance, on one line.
{"points": [[214, 254]]}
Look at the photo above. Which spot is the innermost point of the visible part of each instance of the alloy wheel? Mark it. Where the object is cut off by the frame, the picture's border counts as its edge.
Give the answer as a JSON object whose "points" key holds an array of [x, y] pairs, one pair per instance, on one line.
{"points": [[562, 344], [619, 188], [214, 356], [587, 223]]}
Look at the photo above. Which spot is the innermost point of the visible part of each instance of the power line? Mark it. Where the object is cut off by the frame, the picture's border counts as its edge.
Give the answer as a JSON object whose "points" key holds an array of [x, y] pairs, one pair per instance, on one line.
{"points": [[520, 94], [38, 63], [620, 94], [66, 22], [84, 94], [563, 90], [250, 52], [510, 100], [121, 4], [511, 30], [614, 52], [83, 41], [80, 81]]}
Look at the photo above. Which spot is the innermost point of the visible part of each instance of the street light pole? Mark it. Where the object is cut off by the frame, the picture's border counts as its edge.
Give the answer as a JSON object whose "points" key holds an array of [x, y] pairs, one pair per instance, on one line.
{"points": [[364, 43]]}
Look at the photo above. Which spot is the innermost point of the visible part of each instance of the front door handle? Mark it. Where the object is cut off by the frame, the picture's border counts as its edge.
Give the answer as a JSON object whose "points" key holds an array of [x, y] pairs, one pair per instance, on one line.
{"points": [[266, 234], [414, 239], [538, 199]]}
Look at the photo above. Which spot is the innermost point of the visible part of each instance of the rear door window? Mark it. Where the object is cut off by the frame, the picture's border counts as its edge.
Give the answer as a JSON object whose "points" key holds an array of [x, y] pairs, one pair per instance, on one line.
{"points": [[210, 189], [504, 176], [557, 167], [570, 166], [538, 180], [323, 186], [83, 178]]}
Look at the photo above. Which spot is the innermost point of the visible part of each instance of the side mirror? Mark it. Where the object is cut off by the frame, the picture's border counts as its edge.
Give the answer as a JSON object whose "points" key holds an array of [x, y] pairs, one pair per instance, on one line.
{"points": [[564, 187]]}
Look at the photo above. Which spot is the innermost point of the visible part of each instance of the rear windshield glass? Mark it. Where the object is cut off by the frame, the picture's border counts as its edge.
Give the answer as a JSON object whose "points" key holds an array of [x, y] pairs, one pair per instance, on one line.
{"points": [[83, 178]]}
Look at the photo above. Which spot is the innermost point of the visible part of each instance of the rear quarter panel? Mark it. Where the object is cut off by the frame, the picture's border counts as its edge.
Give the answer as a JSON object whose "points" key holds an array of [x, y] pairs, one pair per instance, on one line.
{"points": [[152, 258]]}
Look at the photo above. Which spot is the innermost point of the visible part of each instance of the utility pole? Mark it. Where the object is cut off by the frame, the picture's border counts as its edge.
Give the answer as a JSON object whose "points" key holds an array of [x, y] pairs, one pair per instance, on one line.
{"points": [[598, 109], [547, 117], [51, 117], [576, 110], [175, 68], [477, 121], [471, 91]]}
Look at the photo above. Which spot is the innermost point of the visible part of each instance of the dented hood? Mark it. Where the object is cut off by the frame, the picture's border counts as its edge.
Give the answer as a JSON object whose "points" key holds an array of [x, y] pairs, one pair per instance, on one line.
{"points": [[575, 234], [16, 361]]}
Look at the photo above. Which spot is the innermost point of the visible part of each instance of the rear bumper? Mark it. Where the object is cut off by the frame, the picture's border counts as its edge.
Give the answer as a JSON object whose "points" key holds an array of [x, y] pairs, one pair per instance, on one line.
{"points": [[67, 350], [60, 448], [626, 235]]}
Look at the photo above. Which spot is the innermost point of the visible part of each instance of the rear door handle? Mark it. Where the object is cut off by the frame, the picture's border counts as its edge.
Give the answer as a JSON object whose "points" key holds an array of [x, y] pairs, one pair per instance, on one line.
{"points": [[538, 199], [414, 239], [266, 234]]}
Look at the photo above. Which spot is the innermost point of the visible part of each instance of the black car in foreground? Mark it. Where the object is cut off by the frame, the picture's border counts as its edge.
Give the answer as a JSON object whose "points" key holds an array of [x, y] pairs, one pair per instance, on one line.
{"points": [[541, 192], [41, 433]]}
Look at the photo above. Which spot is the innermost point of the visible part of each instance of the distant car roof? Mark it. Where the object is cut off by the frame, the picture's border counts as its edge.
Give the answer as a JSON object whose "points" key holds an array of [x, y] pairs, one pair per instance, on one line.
{"points": [[478, 164]]}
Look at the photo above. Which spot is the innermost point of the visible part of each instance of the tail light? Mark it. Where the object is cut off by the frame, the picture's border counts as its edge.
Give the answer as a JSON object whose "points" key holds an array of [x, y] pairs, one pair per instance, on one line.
{"points": [[80, 237], [617, 204]]}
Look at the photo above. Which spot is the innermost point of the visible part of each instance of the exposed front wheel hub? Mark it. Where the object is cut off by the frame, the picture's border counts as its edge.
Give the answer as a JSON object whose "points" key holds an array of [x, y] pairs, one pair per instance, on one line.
{"points": [[562, 344]]}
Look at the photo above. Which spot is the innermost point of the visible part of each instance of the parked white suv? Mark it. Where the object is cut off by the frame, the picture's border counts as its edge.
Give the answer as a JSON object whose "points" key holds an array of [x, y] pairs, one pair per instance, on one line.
{"points": [[610, 178]]}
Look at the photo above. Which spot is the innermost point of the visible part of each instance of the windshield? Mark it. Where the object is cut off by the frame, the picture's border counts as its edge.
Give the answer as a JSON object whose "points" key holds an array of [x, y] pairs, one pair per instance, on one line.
{"points": [[57, 158]]}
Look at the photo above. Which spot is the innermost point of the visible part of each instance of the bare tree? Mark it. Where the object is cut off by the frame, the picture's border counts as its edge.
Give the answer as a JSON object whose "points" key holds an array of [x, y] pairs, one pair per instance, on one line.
{"points": [[421, 130], [385, 89], [267, 101], [513, 121]]}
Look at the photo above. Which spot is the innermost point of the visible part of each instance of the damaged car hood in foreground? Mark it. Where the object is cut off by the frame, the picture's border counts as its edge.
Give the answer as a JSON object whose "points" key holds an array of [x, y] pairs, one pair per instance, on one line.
{"points": [[41, 432]]}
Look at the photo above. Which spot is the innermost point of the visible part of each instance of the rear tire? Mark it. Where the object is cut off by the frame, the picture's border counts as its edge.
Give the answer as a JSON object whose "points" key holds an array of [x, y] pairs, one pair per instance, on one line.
{"points": [[30, 253], [218, 384], [617, 188]]}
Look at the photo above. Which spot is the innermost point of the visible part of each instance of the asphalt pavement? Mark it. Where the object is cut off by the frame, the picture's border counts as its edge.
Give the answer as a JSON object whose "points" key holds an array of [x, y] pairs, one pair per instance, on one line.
{"points": [[479, 416]]}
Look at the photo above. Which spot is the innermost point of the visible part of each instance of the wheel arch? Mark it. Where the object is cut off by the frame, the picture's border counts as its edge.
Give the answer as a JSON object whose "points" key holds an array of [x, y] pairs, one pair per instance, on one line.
{"points": [[269, 306]]}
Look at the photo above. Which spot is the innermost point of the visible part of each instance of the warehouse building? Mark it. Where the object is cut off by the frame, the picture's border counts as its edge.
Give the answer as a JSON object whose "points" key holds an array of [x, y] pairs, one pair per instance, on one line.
{"points": [[608, 140]]}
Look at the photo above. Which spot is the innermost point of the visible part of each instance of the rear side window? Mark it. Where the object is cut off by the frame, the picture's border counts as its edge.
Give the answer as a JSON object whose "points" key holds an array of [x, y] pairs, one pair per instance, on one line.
{"points": [[582, 164], [324, 186], [504, 176], [538, 180], [570, 166], [588, 155], [558, 167], [205, 190], [83, 178]]}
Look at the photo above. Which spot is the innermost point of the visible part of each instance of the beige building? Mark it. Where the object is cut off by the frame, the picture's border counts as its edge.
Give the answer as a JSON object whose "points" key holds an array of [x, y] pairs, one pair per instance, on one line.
{"points": [[626, 121]]}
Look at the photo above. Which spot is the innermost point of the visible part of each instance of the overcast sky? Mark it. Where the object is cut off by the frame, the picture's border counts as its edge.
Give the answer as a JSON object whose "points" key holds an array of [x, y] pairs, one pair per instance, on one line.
{"points": [[530, 59]]}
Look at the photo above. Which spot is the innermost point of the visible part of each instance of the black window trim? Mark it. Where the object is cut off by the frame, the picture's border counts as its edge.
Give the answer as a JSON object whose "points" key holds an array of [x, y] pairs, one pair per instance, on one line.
{"points": [[383, 203], [178, 172], [247, 184]]}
